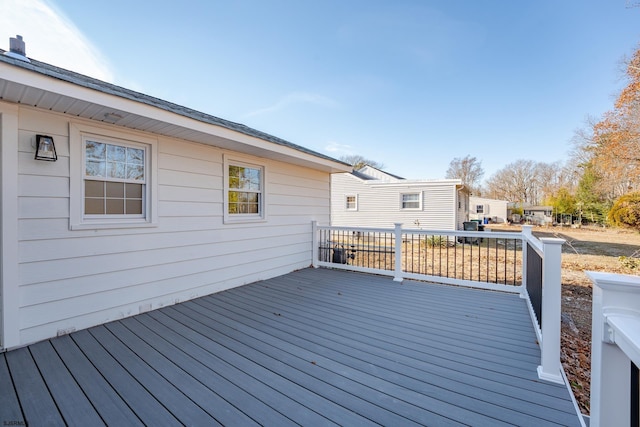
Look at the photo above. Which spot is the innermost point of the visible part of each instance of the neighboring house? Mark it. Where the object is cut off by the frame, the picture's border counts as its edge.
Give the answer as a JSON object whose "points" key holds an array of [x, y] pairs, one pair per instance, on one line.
{"points": [[538, 215], [370, 197], [148, 203], [492, 210]]}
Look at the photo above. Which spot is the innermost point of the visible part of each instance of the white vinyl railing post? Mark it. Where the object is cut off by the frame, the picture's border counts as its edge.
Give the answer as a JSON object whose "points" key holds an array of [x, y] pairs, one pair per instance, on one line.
{"points": [[550, 368], [314, 244], [527, 236], [397, 276], [615, 341]]}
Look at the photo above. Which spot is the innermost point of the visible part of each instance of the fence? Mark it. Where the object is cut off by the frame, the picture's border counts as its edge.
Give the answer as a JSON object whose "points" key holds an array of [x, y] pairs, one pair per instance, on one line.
{"points": [[486, 259], [615, 350]]}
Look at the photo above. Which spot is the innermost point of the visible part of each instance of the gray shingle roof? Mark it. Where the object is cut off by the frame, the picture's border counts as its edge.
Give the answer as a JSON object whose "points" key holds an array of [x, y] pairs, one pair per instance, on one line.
{"points": [[112, 89]]}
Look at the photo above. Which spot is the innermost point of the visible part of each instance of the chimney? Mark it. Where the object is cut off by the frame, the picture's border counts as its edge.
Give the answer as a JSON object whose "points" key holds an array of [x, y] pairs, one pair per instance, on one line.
{"points": [[17, 49]]}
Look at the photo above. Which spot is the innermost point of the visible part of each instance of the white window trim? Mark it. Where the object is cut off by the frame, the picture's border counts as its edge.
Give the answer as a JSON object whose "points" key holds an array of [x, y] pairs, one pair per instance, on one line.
{"points": [[419, 194], [346, 203], [480, 209], [78, 132], [243, 218]]}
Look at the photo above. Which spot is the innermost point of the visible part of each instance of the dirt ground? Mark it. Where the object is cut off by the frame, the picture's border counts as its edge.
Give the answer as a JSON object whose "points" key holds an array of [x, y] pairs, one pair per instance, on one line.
{"points": [[590, 249]]}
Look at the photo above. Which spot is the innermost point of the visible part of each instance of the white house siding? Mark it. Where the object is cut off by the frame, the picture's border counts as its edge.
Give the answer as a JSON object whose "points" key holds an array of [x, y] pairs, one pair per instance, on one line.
{"points": [[379, 204], [494, 209], [463, 208], [73, 279]]}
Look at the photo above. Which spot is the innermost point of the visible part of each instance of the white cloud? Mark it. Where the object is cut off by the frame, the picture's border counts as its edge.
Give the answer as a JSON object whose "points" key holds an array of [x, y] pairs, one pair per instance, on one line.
{"points": [[293, 99], [51, 37], [337, 148]]}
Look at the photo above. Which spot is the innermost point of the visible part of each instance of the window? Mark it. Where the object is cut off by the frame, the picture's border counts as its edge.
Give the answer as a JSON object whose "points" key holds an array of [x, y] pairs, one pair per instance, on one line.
{"points": [[112, 178], [411, 201], [352, 203], [244, 192], [479, 209]]}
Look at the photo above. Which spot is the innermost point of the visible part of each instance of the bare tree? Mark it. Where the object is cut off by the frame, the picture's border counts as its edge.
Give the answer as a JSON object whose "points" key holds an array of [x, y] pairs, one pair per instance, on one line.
{"points": [[469, 170], [358, 162], [516, 182]]}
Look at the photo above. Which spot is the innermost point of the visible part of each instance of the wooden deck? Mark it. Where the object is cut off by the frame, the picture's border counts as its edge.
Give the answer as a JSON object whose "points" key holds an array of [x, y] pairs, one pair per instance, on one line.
{"points": [[314, 347]]}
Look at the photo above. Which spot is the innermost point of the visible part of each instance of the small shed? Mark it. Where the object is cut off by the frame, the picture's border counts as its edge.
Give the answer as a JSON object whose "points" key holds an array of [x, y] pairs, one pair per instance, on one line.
{"points": [[488, 210]]}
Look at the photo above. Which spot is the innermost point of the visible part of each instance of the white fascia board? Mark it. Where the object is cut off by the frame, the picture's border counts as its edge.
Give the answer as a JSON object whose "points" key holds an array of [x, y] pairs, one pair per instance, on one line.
{"points": [[43, 82], [415, 183]]}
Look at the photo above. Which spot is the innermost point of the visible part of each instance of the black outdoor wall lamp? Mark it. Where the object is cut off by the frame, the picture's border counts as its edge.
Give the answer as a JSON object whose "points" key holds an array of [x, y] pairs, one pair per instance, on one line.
{"points": [[45, 148]]}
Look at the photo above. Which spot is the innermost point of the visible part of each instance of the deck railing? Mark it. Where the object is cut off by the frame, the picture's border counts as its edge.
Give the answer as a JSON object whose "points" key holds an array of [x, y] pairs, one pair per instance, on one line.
{"points": [[615, 350], [485, 259]]}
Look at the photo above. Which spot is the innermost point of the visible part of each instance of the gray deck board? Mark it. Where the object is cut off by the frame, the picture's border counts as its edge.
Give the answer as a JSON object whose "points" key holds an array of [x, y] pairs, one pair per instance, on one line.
{"points": [[273, 408], [462, 395], [74, 406], [378, 392], [31, 389], [144, 405], [300, 370], [314, 347], [9, 405], [112, 409], [387, 326]]}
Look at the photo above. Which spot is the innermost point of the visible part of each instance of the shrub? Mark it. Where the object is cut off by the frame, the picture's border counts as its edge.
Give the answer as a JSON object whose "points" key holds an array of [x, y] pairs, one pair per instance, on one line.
{"points": [[625, 212], [630, 263], [435, 241]]}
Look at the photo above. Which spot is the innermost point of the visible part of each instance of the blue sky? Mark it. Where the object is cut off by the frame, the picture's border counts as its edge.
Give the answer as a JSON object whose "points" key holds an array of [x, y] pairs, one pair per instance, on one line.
{"points": [[411, 84]]}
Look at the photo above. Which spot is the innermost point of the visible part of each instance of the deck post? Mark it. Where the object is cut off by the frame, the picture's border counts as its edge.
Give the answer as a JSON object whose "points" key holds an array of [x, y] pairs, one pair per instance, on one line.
{"points": [[615, 343], [527, 236], [550, 368], [397, 275], [314, 244]]}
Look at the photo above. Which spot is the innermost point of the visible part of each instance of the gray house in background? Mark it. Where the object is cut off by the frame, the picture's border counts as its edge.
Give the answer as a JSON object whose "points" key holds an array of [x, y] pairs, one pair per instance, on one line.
{"points": [[538, 215]]}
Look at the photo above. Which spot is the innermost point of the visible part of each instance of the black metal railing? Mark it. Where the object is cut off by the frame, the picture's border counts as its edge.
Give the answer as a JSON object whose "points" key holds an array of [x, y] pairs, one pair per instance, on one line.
{"points": [[367, 249], [481, 257], [635, 396], [534, 281], [464, 256]]}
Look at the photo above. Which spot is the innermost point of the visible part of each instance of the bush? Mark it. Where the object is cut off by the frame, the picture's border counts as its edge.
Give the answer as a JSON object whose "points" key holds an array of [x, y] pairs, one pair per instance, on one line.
{"points": [[630, 263], [435, 241], [625, 212]]}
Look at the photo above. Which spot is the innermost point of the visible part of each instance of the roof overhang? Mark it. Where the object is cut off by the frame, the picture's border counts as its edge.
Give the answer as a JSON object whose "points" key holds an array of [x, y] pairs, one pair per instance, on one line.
{"points": [[55, 90], [418, 183]]}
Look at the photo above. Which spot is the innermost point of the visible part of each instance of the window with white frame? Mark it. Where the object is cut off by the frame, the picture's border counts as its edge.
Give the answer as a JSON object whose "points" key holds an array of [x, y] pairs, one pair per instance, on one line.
{"points": [[351, 202], [479, 209], [410, 201], [244, 191], [112, 178]]}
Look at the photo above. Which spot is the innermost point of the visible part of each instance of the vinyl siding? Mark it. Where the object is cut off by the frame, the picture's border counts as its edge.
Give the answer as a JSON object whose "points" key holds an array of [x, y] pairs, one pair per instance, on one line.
{"points": [[76, 279], [379, 204], [497, 209]]}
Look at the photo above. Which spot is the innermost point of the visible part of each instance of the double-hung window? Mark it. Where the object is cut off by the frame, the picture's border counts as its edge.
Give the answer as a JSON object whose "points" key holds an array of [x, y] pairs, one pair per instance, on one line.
{"points": [[479, 209], [244, 191], [410, 201], [114, 179], [351, 203]]}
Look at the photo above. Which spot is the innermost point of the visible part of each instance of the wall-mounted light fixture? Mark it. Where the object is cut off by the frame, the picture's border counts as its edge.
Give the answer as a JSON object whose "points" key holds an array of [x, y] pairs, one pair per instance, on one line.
{"points": [[45, 148]]}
